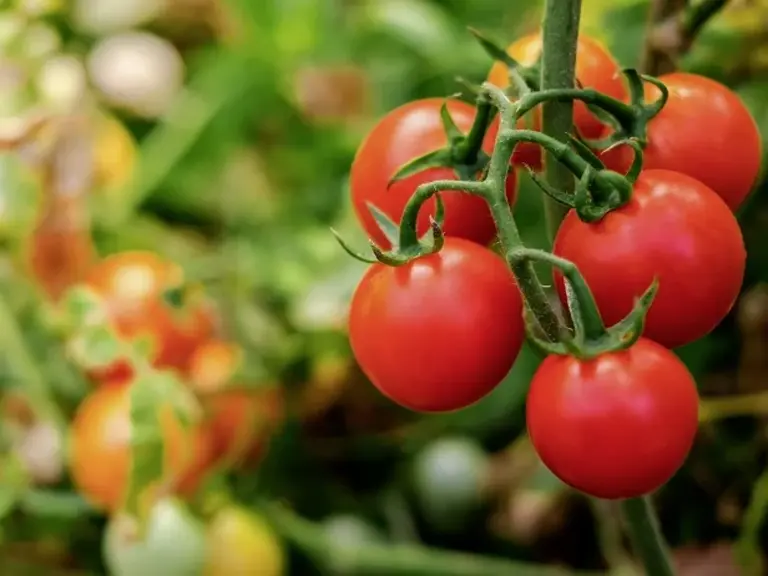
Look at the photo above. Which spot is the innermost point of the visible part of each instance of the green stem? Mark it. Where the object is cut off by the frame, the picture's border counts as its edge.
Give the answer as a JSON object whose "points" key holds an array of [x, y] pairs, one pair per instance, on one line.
{"points": [[387, 559], [469, 150], [646, 536], [586, 316], [560, 29], [698, 15], [24, 367]]}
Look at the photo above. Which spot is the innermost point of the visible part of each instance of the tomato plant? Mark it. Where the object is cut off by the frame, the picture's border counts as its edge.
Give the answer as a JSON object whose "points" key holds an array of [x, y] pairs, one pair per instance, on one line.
{"points": [[616, 426], [405, 134], [240, 419], [674, 229], [681, 137], [100, 447], [134, 288], [440, 332], [173, 543], [595, 68], [240, 542]]}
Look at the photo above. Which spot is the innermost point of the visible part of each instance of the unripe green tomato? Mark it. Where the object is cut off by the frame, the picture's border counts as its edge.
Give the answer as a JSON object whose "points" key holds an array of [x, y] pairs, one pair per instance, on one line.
{"points": [[240, 543], [173, 544], [449, 476]]}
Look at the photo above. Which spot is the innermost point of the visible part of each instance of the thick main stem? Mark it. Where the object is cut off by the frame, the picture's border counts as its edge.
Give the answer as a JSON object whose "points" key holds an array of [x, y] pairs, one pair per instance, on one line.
{"points": [[560, 29], [647, 540]]}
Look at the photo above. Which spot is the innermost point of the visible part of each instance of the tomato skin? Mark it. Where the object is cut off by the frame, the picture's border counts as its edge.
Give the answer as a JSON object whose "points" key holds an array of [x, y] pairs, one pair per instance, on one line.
{"points": [[131, 285], [99, 447], [595, 68], [675, 229], [441, 332], [680, 137], [617, 426], [404, 134]]}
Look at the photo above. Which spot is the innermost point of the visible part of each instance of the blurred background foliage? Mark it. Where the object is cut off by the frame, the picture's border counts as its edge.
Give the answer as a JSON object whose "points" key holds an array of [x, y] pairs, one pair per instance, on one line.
{"points": [[222, 135]]}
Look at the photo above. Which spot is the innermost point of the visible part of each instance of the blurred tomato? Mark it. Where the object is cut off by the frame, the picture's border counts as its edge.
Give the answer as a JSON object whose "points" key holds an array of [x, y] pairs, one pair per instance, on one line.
{"points": [[449, 477], [172, 545], [100, 448], [135, 288], [595, 68], [114, 153], [240, 542], [241, 420]]}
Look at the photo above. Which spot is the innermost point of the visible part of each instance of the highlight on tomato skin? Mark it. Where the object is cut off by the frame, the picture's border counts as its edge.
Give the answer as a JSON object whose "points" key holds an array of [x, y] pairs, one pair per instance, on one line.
{"points": [[617, 426], [422, 350], [680, 137], [595, 68], [674, 229], [402, 135]]}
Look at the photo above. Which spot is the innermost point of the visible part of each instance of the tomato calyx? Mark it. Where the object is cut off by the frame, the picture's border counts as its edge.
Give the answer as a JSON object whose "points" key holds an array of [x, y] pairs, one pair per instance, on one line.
{"points": [[463, 154], [633, 125], [598, 190], [590, 337], [405, 241]]}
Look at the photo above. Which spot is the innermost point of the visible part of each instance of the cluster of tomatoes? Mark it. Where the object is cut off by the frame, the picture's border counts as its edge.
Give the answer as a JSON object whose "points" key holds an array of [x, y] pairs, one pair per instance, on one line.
{"points": [[234, 423], [442, 331]]}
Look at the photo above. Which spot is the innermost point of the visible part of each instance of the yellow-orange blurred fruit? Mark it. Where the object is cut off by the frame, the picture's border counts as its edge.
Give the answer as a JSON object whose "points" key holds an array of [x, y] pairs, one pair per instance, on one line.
{"points": [[114, 154], [100, 448], [241, 543], [133, 286], [241, 420], [595, 68]]}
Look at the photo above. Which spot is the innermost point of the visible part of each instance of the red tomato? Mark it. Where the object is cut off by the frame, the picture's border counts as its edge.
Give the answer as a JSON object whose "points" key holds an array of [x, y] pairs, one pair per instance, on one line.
{"points": [[704, 131], [675, 229], [406, 133], [132, 285], [617, 426], [595, 68], [100, 449], [441, 332], [240, 420]]}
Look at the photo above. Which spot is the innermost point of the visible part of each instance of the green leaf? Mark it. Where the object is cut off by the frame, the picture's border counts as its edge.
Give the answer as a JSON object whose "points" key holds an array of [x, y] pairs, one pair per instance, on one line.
{"points": [[449, 126], [147, 450], [13, 484], [494, 50], [82, 306], [95, 347]]}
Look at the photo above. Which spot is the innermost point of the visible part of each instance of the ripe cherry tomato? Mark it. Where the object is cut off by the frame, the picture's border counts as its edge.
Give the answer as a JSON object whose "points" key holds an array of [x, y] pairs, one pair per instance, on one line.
{"points": [[617, 426], [704, 131], [100, 449], [240, 420], [674, 229], [440, 332], [404, 134], [132, 286], [595, 68]]}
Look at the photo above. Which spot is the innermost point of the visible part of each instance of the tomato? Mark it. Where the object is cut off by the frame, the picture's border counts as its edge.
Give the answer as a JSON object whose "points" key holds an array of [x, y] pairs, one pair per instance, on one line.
{"points": [[240, 542], [132, 286], [617, 426], [704, 131], [241, 420], [595, 68], [675, 229], [173, 544], [449, 476], [100, 449], [439, 333], [404, 134]]}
